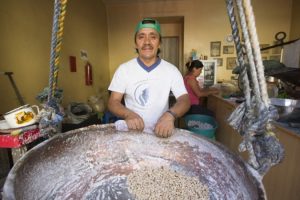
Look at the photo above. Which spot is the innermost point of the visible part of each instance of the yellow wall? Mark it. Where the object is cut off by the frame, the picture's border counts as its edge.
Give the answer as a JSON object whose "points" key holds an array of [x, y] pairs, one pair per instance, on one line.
{"points": [[25, 49], [295, 24], [204, 21], [106, 33]]}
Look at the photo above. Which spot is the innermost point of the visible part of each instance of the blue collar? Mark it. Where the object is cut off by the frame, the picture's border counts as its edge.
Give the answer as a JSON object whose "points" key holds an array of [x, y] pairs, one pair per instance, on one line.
{"points": [[150, 68]]}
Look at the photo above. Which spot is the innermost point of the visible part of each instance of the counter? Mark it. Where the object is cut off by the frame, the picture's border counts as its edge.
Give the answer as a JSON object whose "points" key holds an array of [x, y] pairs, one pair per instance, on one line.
{"points": [[283, 180]]}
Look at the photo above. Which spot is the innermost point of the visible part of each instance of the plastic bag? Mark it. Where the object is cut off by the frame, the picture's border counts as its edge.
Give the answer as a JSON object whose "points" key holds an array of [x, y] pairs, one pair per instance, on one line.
{"points": [[78, 112]]}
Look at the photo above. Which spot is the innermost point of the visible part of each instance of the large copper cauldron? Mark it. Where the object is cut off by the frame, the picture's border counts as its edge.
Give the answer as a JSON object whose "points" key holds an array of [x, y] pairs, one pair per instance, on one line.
{"points": [[93, 163]]}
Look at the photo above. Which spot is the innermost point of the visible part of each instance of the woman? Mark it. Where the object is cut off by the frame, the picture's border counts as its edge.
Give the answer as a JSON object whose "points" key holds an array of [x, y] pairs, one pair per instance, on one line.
{"points": [[195, 92]]}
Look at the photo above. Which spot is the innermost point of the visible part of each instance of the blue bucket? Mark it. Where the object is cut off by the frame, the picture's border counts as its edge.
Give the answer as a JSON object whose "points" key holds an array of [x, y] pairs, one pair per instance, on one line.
{"points": [[191, 120]]}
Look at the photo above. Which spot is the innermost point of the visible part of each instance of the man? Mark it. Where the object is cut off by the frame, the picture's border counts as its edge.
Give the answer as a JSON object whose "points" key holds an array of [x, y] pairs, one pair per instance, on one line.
{"points": [[146, 82]]}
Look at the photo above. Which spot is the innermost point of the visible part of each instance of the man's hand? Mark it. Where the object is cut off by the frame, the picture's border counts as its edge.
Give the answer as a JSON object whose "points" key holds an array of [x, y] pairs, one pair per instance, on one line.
{"points": [[165, 125], [134, 121]]}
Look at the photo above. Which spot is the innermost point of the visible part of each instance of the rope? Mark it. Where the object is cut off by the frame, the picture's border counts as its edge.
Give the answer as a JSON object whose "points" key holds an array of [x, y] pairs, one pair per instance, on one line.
{"points": [[252, 119], [56, 41], [51, 115], [238, 116], [239, 49], [242, 118], [256, 52], [253, 73], [53, 45]]}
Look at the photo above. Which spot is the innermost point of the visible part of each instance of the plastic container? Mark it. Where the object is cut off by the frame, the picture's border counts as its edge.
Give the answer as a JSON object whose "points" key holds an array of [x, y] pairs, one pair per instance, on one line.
{"points": [[191, 120]]}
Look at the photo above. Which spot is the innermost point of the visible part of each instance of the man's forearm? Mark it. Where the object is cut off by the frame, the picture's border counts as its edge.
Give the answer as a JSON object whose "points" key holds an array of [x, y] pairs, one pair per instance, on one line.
{"points": [[118, 109], [133, 120], [182, 105]]}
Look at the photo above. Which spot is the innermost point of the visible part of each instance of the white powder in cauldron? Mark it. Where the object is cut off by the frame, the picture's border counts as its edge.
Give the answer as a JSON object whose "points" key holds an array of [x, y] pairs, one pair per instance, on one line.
{"points": [[199, 125], [162, 183], [95, 162]]}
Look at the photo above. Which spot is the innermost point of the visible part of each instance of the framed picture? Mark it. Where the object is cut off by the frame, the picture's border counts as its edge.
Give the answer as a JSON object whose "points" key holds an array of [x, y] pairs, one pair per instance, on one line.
{"points": [[264, 46], [275, 57], [215, 49], [231, 63], [219, 61], [208, 74], [228, 49]]}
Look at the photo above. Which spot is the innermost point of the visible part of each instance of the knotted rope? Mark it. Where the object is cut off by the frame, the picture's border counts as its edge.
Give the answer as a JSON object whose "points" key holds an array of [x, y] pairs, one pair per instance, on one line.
{"points": [[51, 115], [252, 118]]}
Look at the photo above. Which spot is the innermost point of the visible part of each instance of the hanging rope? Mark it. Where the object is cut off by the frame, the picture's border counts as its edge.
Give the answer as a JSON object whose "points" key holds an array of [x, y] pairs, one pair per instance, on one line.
{"points": [[56, 41], [252, 118], [239, 112], [51, 116], [256, 51]]}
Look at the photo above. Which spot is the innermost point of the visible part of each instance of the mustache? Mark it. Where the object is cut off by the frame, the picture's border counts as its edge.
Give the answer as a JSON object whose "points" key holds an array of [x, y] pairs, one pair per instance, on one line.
{"points": [[147, 46]]}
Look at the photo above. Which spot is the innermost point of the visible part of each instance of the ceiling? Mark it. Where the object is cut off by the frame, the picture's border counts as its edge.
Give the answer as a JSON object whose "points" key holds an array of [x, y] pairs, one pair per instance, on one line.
{"points": [[133, 1]]}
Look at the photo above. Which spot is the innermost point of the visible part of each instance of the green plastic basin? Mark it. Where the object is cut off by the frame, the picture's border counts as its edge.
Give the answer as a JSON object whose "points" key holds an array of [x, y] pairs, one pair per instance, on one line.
{"points": [[207, 132]]}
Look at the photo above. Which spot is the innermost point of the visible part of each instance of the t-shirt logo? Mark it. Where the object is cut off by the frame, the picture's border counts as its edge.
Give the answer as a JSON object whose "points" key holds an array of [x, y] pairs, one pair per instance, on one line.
{"points": [[141, 93]]}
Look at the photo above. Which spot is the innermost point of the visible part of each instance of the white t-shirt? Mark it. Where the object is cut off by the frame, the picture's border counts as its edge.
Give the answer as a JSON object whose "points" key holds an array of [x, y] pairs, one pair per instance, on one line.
{"points": [[147, 93]]}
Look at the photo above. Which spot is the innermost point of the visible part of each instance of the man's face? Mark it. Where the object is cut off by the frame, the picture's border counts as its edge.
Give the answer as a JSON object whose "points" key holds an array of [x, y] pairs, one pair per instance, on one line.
{"points": [[147, 42]]}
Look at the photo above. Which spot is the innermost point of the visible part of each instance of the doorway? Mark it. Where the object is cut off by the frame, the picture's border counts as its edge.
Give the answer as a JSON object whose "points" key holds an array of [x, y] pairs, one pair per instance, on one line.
{"points": [[170, 50], [172, 40]]}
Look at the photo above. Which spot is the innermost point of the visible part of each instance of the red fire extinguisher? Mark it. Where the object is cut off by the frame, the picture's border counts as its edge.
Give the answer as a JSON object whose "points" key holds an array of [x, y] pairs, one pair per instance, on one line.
{"points": [[88, 74]]}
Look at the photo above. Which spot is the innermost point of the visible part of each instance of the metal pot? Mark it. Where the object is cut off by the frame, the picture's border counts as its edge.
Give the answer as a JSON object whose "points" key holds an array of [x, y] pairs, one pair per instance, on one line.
{"points": [[93, 163], [285, 106]]}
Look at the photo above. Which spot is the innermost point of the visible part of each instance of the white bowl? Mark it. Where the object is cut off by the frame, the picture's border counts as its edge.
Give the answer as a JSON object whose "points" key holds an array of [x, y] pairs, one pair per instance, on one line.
{"points": [[21, 116]]}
